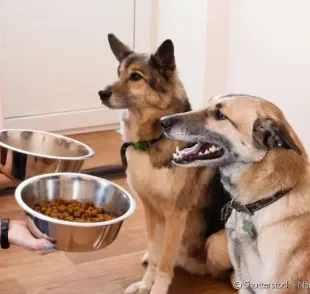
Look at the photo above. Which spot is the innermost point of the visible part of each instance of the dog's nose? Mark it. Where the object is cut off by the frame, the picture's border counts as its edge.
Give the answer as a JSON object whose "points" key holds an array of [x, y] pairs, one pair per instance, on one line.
{"points": [[105, 93], [167, 122]]}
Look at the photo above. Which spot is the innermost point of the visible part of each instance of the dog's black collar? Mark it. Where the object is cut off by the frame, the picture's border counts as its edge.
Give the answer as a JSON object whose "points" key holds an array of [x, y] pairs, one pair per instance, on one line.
{"points": [[141, 145], [251, 208]]}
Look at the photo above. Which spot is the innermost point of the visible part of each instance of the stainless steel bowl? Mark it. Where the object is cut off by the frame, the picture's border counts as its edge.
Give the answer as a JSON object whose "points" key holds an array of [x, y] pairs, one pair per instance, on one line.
{"points": [[27, 153], [74, 236]]}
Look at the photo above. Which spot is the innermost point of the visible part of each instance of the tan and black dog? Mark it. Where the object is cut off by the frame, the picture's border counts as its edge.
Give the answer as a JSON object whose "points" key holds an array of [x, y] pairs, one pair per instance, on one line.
{"points": [[179, 208], [265, 168]]}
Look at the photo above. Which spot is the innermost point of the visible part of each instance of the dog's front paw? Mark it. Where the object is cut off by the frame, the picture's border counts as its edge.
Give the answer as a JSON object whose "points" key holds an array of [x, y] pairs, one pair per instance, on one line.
{"points": [[145, 258], [138, 288]]}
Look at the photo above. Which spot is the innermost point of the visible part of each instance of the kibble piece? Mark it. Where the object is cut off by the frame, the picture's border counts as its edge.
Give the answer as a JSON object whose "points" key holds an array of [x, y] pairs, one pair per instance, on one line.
{"points": [[60, 201], [43, 204], [99, 210], [65, 214], [77, 213], [87, 213], [62, 208], [79, 220]]}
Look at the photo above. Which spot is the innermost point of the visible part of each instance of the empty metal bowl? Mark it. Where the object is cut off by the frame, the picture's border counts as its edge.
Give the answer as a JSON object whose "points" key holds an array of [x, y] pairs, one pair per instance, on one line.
{"points": [[75, 236], [27, 153]]}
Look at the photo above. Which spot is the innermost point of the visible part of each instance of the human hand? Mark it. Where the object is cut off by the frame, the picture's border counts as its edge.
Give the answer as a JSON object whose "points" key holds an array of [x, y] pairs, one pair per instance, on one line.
{"points": [[20, 235], [6, 182]]}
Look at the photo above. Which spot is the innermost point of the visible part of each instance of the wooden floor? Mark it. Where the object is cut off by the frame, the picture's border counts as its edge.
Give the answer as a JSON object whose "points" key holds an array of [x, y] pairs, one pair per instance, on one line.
{"points": [[106, 271]]}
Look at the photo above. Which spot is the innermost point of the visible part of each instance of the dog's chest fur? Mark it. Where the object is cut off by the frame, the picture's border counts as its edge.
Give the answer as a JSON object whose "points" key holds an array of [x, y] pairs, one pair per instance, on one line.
{"points": [[243, 248], [147, 181]]}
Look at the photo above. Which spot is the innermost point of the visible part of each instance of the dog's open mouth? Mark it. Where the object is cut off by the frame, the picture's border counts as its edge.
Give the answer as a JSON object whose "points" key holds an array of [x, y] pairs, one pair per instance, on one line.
{"points": [[200, 151]]}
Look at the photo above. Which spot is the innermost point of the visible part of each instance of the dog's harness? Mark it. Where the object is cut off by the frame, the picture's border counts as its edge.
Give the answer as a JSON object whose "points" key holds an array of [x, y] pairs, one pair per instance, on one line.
{"points": [[141, 145], [251, 208]]}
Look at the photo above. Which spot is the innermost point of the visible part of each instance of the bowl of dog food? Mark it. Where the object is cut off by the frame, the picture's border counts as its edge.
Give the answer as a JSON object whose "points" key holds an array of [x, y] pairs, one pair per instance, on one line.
{"points": [[78, 212], [28, 153]]}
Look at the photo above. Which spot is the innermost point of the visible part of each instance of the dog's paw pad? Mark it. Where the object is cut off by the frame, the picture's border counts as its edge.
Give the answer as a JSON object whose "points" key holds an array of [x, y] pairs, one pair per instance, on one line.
{"points": [[138, 288], [145, 258]]}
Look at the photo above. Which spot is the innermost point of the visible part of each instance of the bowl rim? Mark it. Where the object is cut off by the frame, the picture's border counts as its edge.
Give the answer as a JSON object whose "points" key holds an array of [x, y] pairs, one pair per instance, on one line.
{"points": [[25, 207], [89, 150]]}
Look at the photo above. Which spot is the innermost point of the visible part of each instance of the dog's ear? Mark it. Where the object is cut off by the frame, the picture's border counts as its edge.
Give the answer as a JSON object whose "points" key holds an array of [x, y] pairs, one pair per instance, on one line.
{"points": [[163, 59], [269, 134], [120, 50]]}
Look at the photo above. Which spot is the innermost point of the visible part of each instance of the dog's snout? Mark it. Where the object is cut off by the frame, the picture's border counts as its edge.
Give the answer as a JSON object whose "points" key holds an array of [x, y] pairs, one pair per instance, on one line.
{"points": [[105, 93], [167, 122]]}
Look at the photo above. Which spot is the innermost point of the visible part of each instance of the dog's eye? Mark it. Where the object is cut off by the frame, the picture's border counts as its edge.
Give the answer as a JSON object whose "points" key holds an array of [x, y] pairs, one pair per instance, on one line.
{"points": [[135, 77], [219, 115]]}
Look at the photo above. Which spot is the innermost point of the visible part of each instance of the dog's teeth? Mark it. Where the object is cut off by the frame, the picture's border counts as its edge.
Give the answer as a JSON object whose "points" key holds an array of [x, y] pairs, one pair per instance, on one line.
{"points": [[177, 149], [181, 155], [207, 152], [200, 153], [212, 149], [218, 149]]}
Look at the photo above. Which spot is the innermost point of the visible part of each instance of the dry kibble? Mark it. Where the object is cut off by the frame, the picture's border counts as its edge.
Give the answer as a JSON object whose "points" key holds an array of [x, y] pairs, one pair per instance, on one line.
{"points": [[72, 211]]}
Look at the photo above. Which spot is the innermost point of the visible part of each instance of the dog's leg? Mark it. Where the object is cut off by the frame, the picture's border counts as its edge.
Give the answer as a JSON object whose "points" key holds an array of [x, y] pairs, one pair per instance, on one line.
{"points": [[174, 229], [153, 225], [218, 260]]}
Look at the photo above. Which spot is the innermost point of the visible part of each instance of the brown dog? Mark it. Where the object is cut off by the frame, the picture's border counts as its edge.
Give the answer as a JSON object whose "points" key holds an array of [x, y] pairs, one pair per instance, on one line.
{"points": [[265, 168], [179, 209]]}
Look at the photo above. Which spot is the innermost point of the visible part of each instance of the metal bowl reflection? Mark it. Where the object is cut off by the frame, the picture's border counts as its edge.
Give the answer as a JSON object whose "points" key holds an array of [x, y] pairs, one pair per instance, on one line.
{"points": [[73, 236], [27, 153]]}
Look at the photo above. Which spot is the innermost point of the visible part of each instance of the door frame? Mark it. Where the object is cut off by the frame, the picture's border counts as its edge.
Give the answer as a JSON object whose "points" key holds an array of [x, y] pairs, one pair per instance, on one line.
{"points": [[146, 20]]}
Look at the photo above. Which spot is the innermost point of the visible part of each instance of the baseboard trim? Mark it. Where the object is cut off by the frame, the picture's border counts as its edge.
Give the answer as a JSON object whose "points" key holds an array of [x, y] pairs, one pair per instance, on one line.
{"points": [[73, 122]]}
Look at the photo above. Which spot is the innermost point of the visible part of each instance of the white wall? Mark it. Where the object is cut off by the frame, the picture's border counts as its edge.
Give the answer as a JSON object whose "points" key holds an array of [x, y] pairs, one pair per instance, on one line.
{"points": [[185, 22], [269, 56], [54, 57]]}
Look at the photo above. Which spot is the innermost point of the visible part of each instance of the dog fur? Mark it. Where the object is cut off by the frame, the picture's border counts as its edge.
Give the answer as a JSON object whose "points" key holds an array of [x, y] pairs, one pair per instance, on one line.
{"points": [[176, 200], [262, 155]]}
